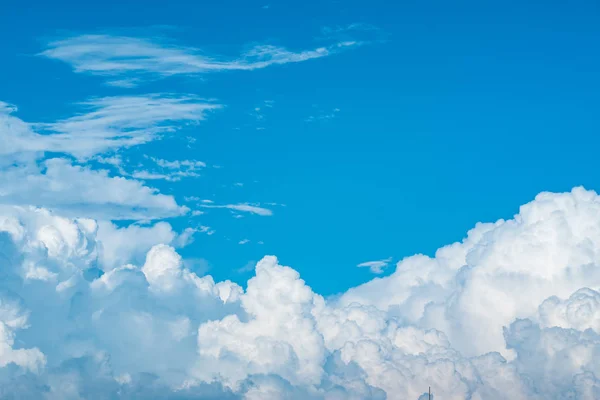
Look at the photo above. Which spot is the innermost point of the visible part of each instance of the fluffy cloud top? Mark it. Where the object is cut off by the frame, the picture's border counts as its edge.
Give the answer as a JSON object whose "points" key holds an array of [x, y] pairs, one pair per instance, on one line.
{"points": [[90, 310]]}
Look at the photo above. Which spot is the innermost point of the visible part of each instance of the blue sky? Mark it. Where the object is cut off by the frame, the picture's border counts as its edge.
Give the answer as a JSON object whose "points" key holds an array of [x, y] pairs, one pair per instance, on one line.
{"points": [[439, 116], [316, 201]]}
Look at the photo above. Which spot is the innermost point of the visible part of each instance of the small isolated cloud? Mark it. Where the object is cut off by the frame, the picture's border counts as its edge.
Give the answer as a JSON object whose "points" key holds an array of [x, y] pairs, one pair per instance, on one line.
{"points": [[259, 111], [348, 33], [323, 116], [275, 204], [376, 267], [172, 171], [127, 61], [244, 207], [244, 241], [206, 229]]}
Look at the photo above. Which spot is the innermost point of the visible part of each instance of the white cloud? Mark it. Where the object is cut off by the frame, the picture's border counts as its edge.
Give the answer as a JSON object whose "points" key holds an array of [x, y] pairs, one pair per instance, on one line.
{"points": [[376, 267], [121, 246], [323, 115], [122, 56], [580, 311], [500, 272], [110, 123], [510, 312], [179, 164], [77, 190], [172, 171], [244, 241], [115, 161], [207, 229], [244, 207]]}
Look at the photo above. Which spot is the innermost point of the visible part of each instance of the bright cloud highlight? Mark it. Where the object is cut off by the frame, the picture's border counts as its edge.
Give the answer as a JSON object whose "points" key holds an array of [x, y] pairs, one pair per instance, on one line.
{"points": [[91, 310]]}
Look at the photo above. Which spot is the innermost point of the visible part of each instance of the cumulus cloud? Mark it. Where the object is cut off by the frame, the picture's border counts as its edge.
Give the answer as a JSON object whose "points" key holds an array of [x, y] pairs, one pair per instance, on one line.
{"points": [[511, 312], [500, 272], [130, 244], [124, 59]]}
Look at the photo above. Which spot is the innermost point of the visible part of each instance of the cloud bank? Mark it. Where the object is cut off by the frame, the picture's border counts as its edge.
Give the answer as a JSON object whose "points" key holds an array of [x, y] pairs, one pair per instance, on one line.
{"points": [[90, 310]]}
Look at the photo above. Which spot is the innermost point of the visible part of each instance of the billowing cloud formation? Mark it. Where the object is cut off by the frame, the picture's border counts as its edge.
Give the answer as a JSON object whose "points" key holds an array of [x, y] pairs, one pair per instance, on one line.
{"points": [[511, 312], [132, 58]]}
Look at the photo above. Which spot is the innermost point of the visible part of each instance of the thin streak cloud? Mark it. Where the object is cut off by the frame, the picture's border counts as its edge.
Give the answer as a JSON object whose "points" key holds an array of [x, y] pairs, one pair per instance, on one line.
{"points": [[122, 56], [244, 207]]}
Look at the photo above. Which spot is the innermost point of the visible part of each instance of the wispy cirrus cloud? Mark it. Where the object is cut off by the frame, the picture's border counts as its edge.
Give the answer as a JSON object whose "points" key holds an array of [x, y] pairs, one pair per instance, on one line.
{"points": [[127, 59], [243, 207], [107, 124]]}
